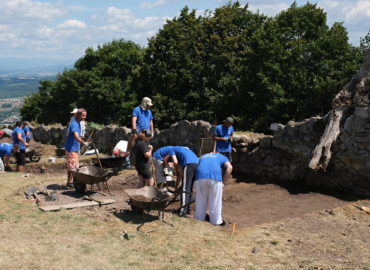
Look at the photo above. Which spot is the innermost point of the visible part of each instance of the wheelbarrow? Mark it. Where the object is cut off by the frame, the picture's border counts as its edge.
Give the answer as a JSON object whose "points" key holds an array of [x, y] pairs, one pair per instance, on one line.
{"points": [[111, 162], [90, 175], [150, 198]]}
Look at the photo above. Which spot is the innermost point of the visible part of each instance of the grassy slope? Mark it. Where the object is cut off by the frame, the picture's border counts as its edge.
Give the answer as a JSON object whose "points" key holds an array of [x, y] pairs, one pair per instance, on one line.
{"points": [[90, 238]]}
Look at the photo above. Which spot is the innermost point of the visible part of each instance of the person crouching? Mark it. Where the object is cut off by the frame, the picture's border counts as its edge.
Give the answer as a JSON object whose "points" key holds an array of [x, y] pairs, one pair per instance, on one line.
{"points": [[143, 155]]}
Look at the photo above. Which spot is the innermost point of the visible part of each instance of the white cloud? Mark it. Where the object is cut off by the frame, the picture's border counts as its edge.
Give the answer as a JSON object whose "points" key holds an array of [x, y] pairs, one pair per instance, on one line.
{"points": [[269, 10], [69, 24], [359, 9], [28, 9], [119, 14], [155, 4]]}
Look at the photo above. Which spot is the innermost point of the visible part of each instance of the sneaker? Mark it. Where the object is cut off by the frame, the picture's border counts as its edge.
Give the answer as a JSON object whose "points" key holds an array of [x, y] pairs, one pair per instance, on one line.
{"points": [[222, 224], [70, 186]]}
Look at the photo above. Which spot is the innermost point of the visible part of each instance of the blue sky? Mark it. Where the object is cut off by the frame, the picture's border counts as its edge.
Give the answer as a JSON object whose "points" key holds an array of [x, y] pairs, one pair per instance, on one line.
{"points": [[59, 31]]}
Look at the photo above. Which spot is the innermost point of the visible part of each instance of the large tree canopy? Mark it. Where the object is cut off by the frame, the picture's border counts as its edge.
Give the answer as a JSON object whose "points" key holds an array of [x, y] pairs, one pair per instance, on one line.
{"points": [[229, 62]]}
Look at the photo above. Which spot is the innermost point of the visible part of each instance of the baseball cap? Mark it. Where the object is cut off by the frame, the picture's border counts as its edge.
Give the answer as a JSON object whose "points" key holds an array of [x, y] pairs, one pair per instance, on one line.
{"points": [[75, 110], [229, 120], [146, 101]]}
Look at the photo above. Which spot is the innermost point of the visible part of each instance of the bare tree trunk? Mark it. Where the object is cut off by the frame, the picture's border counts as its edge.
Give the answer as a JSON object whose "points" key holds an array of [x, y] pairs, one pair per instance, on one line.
{"points": [[322, 153], [355, 93]]}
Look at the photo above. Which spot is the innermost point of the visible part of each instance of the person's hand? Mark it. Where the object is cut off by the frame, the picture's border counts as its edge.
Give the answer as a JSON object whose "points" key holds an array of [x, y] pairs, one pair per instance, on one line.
{"points": [[87, 144], [150, 147], [26, 144]]}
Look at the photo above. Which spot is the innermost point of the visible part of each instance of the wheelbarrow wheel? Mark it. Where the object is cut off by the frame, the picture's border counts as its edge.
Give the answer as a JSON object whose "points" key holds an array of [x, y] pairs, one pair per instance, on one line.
{"points": [[79, 187], [35, 158]]}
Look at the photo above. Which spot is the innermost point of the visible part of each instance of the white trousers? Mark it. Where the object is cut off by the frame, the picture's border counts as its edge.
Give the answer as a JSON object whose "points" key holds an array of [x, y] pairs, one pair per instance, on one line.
{"points": [[2, 167], [208, 195]]}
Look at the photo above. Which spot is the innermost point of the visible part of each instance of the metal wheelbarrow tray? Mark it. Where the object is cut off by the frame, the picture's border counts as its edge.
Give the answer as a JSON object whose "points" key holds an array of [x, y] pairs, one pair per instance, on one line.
{"points": [[148, 198], [89, 175], [111, 162]]}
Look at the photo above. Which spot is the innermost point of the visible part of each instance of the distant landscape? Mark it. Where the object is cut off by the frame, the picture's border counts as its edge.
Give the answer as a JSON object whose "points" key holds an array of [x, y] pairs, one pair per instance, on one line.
{"points": [[17, 84]]}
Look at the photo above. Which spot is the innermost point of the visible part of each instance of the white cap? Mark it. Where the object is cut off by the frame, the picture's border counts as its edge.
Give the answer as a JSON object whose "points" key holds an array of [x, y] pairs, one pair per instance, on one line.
{"points": [[146, 101], [75, 110]]}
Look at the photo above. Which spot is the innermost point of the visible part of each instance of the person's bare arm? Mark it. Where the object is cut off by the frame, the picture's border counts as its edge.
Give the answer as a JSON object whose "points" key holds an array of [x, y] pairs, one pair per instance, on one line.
{"points": [[6, 161], [227, 172], [75, 134], [219, 138], [19, 136], [133, 122], [149, 153], [152, 127]]}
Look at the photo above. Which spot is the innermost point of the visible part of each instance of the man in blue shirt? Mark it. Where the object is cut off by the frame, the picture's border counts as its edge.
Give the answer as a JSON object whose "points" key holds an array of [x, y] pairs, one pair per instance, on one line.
{"points": [[161, 168], [19, 138], [142, 119], [27, 131], [72, 146], [223, 135], [185, 163], [6, 149], [212, 173]]}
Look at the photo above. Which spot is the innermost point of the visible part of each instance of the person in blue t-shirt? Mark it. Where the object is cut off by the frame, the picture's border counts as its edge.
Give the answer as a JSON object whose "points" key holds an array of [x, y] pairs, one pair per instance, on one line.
{"points": [[185, 163], [6, 149], [72, 146], [27, 131], [223, 135], [19, 138], [212, 173], [162, 169], [142, 119]]}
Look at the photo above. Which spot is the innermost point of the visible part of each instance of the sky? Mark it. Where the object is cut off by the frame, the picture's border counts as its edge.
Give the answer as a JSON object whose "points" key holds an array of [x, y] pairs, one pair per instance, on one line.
{"points": [[51, 32]]}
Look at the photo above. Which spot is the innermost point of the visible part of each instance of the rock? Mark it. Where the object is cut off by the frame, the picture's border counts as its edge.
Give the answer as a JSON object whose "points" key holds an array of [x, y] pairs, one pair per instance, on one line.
{"points": [[255, 249]]}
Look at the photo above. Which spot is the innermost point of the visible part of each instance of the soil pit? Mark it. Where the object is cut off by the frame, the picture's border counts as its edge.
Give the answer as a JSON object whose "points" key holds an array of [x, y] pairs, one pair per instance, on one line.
{"points": [[245, 204]]}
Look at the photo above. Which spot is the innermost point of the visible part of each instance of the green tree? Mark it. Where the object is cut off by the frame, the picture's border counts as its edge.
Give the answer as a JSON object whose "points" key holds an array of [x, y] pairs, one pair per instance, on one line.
{"points": [[192, 66], [295, 66], [100, 82]]}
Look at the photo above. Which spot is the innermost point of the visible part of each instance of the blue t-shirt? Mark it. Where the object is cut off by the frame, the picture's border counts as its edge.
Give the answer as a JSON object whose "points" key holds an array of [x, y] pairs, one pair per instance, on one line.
{"points": [[15, 133], [210, 166], [185, 156], [25, 130], [6, 149], [72, 145], [143, 118], [222, 131], [162, 152]]}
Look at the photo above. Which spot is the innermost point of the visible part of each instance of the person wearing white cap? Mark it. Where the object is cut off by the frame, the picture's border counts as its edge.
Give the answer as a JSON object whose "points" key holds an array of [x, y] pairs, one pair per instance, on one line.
{"points": [[82, 123], [142, 119]]}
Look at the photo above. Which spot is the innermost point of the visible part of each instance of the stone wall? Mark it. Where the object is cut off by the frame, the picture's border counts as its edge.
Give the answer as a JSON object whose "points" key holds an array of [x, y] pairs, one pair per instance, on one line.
{"points": [[281, 158]]}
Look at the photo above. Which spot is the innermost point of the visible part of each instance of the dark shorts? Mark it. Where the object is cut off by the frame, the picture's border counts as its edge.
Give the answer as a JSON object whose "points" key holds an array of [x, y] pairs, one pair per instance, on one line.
{"points": [[20, 158], [228, 155], [145, 172]]}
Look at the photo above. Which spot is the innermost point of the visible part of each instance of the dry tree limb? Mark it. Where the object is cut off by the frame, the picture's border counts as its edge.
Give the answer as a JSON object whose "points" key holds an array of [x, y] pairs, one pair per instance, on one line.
{"points": [[355, 93]]}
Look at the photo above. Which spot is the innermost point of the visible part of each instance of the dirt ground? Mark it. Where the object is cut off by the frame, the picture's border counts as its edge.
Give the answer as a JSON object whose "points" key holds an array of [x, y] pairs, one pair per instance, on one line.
{"points": [[275, 229], [244, 204]]}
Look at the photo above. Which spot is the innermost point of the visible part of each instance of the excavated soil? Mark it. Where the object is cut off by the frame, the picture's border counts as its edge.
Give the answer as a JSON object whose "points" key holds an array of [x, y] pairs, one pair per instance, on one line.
{"points": [[244, 204]]}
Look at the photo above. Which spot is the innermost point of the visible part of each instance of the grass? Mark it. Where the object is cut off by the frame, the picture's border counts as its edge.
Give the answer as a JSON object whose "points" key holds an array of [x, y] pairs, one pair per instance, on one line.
{"points": [[86, 239]]}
